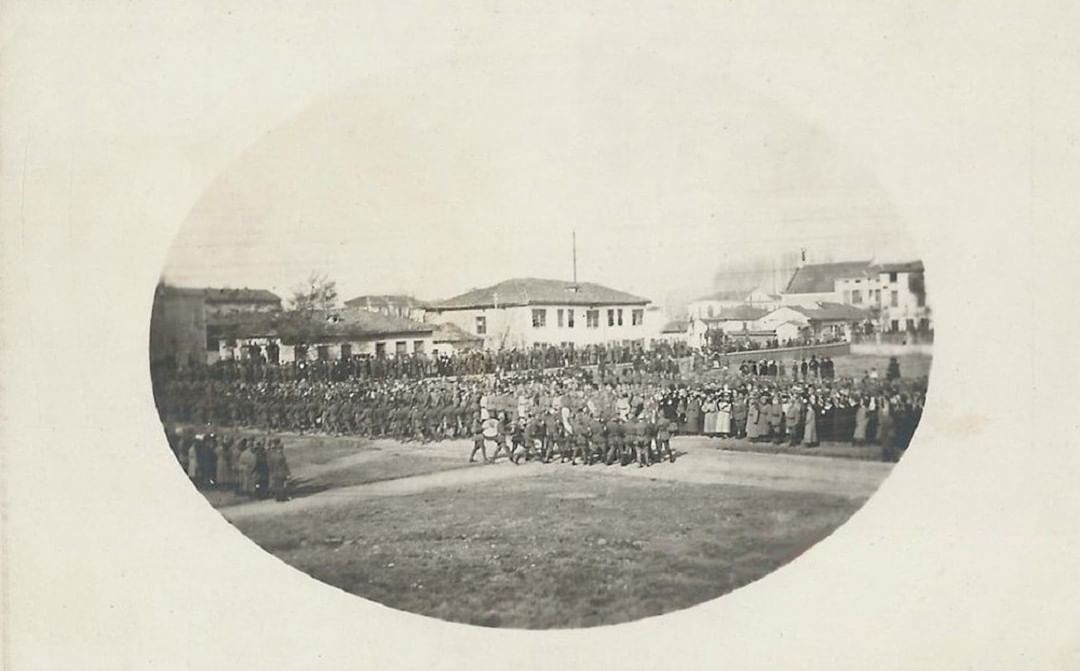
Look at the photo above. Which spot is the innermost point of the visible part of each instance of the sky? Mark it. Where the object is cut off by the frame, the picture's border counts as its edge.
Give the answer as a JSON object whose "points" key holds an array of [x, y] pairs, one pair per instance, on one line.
{"points": [[467, 171]]}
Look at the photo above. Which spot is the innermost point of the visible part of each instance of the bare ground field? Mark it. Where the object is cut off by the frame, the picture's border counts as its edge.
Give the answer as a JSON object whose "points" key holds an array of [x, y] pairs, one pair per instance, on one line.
{"points": [[418, 528]]}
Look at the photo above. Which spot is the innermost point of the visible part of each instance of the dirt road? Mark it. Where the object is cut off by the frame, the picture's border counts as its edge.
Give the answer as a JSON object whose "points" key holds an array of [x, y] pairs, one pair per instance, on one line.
{"points": [[699, 461]]}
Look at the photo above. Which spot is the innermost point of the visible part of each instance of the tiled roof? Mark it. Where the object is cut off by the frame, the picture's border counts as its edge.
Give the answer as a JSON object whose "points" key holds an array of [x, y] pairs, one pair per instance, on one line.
{"points": [[225, 294], [832, 312], [348, 322], [821, 277], [354, 321], [244, 325], [905, 267], [453, 333], [532, 291], [385, 301]]}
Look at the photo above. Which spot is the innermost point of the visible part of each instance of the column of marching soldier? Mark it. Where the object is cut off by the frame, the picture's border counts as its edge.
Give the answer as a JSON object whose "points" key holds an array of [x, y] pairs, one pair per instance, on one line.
{"points": [[607, 415]]}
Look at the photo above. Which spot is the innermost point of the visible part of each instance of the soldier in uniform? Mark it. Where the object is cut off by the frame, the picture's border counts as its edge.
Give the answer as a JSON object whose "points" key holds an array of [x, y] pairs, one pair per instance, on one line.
{"points": [[597, 440], [616, 441], [277, 470], [651, 429], [519, 439], [500, 425], [664, 430], [580, 437], [552, 429], [247, 465], [478, 440], [534, 436], [224, 467], [262, 469]]}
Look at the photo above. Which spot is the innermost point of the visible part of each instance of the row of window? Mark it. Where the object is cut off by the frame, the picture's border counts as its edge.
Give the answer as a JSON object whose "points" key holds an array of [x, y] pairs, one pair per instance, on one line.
{"points": [[892, 279], [910, 325], [565, 318], [855, 297]]}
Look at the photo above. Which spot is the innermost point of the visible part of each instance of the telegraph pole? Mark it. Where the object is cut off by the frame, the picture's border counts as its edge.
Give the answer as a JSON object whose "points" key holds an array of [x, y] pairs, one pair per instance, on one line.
{"points": [[574, 239]]}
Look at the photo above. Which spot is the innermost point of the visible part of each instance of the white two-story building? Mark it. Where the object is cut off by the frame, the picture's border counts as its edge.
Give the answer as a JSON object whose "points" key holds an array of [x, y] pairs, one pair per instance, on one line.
{"points": [[525, 312]]}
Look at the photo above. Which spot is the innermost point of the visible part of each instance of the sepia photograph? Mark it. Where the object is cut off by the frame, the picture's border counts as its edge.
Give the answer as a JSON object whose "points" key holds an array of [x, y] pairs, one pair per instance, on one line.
{"points": [[507, 335], [641, 396]]}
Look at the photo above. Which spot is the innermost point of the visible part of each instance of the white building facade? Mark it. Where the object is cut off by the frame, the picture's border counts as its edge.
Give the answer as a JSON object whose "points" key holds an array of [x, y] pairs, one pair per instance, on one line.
{"points": [[529, 312], [711, 306], [893, 293]]}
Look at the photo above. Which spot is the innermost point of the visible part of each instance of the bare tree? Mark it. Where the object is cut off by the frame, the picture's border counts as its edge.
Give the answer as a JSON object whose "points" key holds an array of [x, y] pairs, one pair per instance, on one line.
{"points": [[307, 307], [317, 294]]}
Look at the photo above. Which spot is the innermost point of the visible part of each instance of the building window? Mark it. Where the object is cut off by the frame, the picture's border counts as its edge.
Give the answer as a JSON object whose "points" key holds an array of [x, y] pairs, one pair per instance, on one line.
{"points": [[894, 299], [211, 344], [611, 318], [910, 325], [324, 352], [570, 319], [619, 312], [877, 296], [346, 351], [921, 298], [592, 319], [539, 319], [637, 317], [895, 326], [711, 312], [481, 325], [401, 347], [380, 350], [418, 346], [559, 317], [856, 297], [892, 278]]}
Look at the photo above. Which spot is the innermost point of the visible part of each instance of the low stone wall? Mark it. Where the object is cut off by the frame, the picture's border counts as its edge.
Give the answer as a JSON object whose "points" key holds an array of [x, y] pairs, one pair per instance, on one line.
{"points": [[805, 352], [891, 350]]}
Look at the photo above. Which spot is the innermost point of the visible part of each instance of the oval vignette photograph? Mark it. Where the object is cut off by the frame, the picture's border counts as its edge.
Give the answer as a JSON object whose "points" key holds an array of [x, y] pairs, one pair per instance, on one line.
{"points": [[541, 347]]}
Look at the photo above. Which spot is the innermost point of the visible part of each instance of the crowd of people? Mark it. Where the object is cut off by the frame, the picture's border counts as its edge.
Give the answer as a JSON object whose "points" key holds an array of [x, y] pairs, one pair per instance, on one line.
{"points": [[719, 342], [660, 358], [604, 413], [254, 467]]}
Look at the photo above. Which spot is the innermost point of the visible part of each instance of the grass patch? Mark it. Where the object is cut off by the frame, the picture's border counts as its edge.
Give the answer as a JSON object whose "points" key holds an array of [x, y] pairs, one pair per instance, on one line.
{"points": [[535, 553]]}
